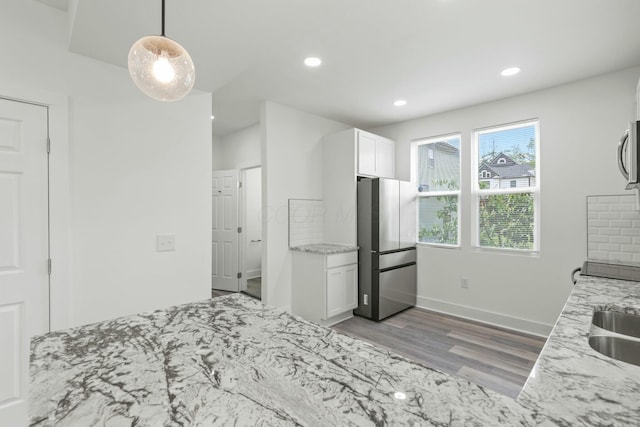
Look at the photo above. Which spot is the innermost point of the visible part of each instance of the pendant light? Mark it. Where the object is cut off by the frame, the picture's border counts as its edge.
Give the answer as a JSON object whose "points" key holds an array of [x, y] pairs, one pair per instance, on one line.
{"points": [[160, 67]]}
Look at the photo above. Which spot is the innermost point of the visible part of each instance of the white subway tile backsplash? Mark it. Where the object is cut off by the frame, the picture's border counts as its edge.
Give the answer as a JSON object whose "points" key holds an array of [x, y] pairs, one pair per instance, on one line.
{"points": [[627, 240], [621, 207], [609, 247], [622, 256], [306, 219], [621, 223], [598, 255], [609, 231], [613, 229], [610, 215], [594, 238], [600, 223]]}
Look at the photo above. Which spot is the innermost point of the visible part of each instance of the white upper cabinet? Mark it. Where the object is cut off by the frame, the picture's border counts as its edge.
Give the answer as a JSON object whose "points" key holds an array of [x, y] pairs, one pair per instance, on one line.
{"points": [[366, 153], [346, 155], [376, 155], [385, 158]]}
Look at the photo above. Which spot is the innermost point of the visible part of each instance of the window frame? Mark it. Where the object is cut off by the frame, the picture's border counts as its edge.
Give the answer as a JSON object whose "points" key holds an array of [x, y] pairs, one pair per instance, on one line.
{"points": [[441, 193], [477, 192]]}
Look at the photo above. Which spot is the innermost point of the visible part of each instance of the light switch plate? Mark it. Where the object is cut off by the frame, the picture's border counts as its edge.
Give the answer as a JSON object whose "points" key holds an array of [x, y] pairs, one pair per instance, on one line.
{"points": [[165, 242]]}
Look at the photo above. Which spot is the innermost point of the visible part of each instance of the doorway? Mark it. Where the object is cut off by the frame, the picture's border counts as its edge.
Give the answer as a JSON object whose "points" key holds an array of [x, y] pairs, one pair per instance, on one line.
{"points": [[251, 237], [225, 274], [24, 246]]}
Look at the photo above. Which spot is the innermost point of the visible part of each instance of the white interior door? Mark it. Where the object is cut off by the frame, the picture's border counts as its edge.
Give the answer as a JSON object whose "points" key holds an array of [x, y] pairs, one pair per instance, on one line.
{"points": [[224, 231], [24, 249]]}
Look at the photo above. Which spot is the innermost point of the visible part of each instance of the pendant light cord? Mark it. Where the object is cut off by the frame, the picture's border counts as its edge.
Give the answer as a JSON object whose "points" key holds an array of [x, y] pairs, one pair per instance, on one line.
{"points": [[163, 19]]}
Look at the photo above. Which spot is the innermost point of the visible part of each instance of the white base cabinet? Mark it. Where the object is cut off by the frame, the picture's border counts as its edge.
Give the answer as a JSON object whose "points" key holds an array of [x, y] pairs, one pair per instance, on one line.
{"points": [[325, 287]]}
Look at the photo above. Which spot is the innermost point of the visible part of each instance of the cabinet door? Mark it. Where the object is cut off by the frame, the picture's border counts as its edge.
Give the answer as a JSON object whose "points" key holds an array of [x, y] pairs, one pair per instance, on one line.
{"points": [[342, 290], [351, 287], [385, 158], [366, 154]]}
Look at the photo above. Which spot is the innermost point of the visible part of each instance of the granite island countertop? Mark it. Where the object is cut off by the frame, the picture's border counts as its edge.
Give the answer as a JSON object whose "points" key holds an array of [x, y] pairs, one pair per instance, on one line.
{"points": [[325, 248], [232, 361], [571, 383]]}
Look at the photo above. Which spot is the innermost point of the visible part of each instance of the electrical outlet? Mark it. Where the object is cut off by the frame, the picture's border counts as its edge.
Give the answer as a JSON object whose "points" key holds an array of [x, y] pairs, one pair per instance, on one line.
{"points": [[165, 242], [464, 283], [365, 299]]}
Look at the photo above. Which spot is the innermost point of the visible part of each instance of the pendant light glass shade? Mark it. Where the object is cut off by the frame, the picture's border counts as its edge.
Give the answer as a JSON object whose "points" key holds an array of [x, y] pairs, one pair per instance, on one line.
{"points": [[161, 68]]}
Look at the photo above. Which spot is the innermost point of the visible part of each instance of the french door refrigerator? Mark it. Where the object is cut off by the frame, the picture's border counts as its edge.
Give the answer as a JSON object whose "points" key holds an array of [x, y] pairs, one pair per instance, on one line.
{"points": [[387, 247]]}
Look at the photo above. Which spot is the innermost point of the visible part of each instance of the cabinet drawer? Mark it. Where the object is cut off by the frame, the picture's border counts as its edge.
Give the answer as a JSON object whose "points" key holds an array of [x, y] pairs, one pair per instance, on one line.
{"points": [[336, 260]]}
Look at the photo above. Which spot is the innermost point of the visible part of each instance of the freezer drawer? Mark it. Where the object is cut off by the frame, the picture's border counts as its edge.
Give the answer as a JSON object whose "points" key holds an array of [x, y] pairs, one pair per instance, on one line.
{"points": [[397, 290], [392, 259]]}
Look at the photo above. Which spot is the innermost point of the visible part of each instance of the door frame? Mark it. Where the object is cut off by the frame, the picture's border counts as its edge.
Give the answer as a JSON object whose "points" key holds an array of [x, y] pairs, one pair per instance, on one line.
{"points": [[59, 196], [242, 217]]}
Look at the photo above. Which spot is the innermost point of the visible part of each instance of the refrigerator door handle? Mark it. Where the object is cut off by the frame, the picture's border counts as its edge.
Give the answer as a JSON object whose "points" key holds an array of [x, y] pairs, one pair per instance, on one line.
{"points": [[395, 267], [621, 147]]}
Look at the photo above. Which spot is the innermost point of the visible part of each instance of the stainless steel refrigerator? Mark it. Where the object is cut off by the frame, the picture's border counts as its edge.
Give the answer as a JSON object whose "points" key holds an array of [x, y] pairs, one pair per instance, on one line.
{"points": [[387, 247]]}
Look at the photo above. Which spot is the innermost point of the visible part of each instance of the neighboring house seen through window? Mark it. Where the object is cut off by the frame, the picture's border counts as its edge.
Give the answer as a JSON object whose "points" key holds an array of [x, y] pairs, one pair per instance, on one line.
{"points": [[438, 178], [506, 204]]}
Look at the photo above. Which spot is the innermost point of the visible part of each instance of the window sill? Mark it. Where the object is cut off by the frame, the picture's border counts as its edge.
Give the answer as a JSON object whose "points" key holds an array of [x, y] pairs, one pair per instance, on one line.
{"points": [[437, 245], [507, 251]]}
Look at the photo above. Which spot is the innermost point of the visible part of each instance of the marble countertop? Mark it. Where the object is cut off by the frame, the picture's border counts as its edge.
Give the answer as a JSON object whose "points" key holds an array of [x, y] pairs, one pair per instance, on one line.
{"points": [[325, 248], [571, 383], [232, 361]]}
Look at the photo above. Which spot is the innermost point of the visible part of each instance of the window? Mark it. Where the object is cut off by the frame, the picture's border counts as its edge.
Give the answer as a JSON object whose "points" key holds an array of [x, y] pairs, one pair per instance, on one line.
{"points": [[438, 178], [507, 203]]}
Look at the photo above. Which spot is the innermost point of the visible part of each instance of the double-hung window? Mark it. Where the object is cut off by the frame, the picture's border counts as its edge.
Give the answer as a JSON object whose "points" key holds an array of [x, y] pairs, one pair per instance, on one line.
{"points": [[506, 186], [438, 179]]}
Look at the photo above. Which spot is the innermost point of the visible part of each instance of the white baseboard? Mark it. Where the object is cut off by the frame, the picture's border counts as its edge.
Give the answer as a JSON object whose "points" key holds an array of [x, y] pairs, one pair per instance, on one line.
{"points": [[508, 322], [337, 319]]}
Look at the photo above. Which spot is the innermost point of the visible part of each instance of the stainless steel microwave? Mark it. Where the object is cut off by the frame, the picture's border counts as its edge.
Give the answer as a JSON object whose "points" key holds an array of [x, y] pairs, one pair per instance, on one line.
{"points": [[629, 155]]}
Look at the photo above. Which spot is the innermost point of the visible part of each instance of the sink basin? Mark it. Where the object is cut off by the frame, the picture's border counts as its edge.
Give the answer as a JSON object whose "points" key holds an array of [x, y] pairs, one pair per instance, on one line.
{"points": [[617, 348], [620, 323]]}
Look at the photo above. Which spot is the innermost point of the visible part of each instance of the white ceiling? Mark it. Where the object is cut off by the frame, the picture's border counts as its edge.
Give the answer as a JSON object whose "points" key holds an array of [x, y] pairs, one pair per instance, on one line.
{"points": [[436, 54]]}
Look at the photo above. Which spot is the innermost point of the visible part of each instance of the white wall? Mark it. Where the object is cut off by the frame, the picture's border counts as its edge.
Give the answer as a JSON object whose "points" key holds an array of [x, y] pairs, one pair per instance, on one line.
{"points": [[580, 124], [137, 167], [291, 169], [217, 154], [237, 150]]}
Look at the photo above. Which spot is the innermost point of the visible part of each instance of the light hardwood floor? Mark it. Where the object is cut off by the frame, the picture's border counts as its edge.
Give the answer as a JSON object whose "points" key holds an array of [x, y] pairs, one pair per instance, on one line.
{"points": [[254, 289], [496, 358], [216, 293]]}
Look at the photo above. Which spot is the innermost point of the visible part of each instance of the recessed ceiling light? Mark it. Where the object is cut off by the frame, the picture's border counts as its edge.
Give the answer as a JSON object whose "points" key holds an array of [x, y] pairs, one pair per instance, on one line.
{"points": [[213, 117], [510, 71], [312, 61], [400, 102]]}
